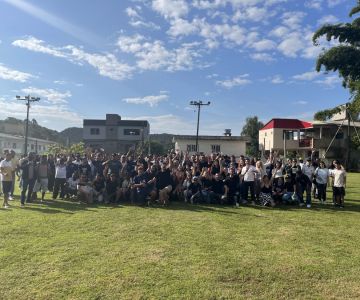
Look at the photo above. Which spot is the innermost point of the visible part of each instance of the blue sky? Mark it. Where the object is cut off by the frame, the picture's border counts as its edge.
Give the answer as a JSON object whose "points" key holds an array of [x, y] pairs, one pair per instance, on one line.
{"points": [[146, 59]]}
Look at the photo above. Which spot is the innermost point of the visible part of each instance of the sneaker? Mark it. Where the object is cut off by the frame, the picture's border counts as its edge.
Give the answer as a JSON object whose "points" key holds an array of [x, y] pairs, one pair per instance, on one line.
{"points": [[301, 204], [6, 206], [308, 205], [237, 204], [22, 205], [11, 198], [244, 202]]}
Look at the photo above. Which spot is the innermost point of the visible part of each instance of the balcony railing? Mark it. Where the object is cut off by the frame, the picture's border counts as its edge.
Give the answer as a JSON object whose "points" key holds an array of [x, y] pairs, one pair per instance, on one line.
{"points": [[306, 143]]}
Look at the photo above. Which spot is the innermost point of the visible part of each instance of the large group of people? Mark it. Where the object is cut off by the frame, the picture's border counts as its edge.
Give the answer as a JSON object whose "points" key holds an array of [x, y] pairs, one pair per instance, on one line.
{"points": [[156, 180]]}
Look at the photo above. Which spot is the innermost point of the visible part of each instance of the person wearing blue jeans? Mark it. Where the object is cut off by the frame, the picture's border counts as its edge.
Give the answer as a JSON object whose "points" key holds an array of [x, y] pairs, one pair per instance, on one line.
{"points": [[303, 184], [28, 176]]}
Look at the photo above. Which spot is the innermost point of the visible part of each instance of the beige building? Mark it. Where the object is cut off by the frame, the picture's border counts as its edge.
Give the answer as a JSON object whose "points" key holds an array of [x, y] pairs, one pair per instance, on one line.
{"points": [[230, 145], [300, 137]]}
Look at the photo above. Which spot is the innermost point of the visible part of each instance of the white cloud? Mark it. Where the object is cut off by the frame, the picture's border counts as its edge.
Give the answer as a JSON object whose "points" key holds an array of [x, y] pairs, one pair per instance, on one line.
{"points": [[263, 45], [149, 100], [240, 80], [106, 64], [265, 57], [307, 76], [153, 55], [60, 116], [169, 123], [330, 81], [171, 8], [277, 79], [316, 4], [48, 95], [332, 3], [14, 75], [293, 19], [329, 19], [136, 20], [300, 102]]}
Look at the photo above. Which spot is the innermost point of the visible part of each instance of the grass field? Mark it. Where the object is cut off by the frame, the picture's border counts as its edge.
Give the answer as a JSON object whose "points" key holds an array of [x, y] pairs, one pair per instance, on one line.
{"points": [[63, 250]]}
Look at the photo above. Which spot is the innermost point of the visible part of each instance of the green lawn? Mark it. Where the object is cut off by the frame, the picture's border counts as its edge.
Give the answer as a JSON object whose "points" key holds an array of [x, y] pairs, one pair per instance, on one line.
{"points": [[63, 250]]}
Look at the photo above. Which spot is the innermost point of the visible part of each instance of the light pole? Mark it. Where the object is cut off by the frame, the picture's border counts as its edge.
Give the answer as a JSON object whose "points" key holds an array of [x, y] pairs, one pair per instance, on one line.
{"points": [[28, 100], [198, 104]]}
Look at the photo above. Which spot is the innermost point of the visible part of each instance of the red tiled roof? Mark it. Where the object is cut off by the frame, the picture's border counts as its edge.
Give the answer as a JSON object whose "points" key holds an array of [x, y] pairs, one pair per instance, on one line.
{"points": [[287, 124]]}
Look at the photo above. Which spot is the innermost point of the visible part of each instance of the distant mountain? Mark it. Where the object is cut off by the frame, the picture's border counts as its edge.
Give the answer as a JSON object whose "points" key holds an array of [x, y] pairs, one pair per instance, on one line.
{"points": [[15, 126], [72, 135]]}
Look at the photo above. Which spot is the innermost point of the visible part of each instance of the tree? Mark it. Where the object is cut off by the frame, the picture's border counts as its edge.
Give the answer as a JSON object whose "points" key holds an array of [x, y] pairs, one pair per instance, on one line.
{"points": [[343, 58], [251, 129]]}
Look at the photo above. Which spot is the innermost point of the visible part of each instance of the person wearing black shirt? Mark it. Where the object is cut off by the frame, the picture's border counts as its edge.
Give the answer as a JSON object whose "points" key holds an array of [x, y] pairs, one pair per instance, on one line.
{"points": [[193, 193], [219, 191], [139, 189], [99, 188], [301, 183], [84, 168], [164, 184], [112, 185], [232, 182]]}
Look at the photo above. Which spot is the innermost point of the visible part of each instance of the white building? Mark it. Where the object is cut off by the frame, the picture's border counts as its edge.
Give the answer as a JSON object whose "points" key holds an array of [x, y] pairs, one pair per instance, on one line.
{"points": [[17, 143], [230, 145]]}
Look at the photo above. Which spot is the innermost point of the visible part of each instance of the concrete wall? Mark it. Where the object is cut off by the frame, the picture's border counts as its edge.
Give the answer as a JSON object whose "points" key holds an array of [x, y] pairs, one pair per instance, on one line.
{"points": [[230, 147], [88, 136]]}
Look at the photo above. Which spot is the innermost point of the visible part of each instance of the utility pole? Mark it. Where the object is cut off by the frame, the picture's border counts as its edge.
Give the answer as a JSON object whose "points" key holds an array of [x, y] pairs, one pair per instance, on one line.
{"points": [[198, 104], [28, 100], [348, 137]]}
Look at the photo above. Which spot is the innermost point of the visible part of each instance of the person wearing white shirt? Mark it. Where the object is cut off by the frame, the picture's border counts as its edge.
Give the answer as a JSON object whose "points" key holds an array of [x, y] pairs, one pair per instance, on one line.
{"points": [[6, 169], [309, 171], [339, 177], [322, 178], [60, 179], [248, 173]]}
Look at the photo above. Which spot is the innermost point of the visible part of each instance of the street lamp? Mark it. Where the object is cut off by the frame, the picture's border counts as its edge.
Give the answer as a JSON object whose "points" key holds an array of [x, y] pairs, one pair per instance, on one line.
{"points": [[198, 104], [28, 100]]}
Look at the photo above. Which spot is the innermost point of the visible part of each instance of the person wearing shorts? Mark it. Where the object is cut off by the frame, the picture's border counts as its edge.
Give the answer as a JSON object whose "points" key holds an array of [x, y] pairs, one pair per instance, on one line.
{"points": [[6, 170]]}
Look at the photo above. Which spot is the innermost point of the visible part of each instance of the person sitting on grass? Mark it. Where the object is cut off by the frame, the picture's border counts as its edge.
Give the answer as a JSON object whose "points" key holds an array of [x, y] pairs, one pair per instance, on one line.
{"points": [[164, 183], [193, 193], [186, 186], [99, 188], [278, 190], [139, 190], [339, 182], [219, 191], [84, 190], [266, 192], [124, 188], [289, 196], [71, 186], [112, 189]]}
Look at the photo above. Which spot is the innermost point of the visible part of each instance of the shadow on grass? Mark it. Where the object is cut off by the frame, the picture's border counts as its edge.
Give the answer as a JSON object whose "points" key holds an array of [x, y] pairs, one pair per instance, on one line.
{"points": [[71, 207]]}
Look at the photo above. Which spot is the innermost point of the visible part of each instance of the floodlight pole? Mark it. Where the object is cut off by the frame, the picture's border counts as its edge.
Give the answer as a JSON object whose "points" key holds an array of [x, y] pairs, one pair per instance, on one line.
{"points": [[28, 100], [198, 104]]}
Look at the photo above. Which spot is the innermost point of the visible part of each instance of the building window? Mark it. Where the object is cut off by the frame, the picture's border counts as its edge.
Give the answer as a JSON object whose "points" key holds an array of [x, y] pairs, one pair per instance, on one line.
{"points": [[94, 131], [191, 148], [14, 146], [215, 148], [131, 131]]}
